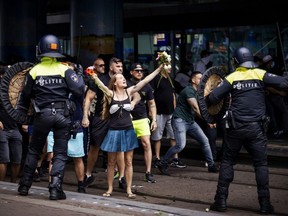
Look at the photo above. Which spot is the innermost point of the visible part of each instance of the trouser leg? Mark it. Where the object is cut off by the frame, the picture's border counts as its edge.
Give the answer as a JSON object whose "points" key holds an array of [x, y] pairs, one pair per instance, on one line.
{"points": [[226, 175], [29, 168]]}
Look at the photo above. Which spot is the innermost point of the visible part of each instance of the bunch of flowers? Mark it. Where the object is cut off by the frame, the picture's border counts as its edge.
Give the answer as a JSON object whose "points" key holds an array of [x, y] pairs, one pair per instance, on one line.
{"points": [[164, 58], [89, 70]]}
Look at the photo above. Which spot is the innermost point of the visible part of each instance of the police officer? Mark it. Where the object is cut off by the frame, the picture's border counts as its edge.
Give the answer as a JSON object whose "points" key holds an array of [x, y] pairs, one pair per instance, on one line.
{"points": [[49, 84], [246, 125]]}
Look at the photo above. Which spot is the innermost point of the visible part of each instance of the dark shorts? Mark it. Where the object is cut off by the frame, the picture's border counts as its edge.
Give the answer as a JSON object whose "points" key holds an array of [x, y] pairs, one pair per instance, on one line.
{"points": [[10, 146], [98, 130]]}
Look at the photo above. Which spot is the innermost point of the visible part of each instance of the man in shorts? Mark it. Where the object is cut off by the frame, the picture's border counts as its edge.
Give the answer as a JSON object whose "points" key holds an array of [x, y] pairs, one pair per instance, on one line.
{"points": [[97, 127], [141, 121]]}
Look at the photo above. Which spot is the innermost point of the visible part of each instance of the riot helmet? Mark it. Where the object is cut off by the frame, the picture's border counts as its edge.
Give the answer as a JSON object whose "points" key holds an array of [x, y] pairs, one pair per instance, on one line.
{"points": [[242, 57], [49, 45]]}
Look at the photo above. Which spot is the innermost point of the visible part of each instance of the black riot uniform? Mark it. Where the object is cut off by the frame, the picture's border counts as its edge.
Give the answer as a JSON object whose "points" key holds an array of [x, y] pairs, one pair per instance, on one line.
{"points": [[49, 84], [246, 125]]}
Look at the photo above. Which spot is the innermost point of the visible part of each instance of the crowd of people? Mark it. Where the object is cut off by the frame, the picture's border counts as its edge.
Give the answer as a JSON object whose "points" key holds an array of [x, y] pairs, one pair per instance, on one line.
{"points": [[114, 115]]}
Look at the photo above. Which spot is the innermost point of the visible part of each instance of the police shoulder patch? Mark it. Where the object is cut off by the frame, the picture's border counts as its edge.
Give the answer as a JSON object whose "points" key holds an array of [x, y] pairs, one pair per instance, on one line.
{"points": [[74, 77]]}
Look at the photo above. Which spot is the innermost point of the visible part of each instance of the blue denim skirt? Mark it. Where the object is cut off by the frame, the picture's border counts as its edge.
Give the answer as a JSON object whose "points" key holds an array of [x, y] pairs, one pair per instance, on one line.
{"points": [[120, 141]]}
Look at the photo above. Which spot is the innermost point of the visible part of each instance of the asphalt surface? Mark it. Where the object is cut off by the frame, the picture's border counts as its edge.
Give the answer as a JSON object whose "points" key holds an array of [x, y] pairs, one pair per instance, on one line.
{"points": [[188, 191]]}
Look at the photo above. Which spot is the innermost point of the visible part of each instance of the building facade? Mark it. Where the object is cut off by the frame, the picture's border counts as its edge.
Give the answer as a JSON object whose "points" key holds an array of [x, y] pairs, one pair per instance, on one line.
{"points": [[136, 30]]}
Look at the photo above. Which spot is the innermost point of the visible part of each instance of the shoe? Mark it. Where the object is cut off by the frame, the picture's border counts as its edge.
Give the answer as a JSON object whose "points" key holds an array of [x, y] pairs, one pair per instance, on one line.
{"points": [[81, 187], [149, 178], [131, 196], [106, 194], [23, 190], [88, 180], [122, 183], [56, 194], [176, 162], [116, 174], [156, 162], [163, 168], [81, 190], [265, 206], [213, 168], [269, 209]]}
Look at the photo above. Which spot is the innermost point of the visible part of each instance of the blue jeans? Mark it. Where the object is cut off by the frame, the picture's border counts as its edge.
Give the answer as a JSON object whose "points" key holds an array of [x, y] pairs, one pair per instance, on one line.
{"points": [[181, 128]]}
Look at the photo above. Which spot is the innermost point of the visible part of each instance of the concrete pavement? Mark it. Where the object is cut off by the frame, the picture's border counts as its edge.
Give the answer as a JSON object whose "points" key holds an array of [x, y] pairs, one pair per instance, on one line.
{"points": [[76, 204], [188, 191]]}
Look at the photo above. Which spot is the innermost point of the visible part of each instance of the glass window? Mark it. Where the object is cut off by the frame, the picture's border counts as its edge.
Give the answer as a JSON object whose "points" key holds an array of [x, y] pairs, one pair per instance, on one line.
{"points": [[221, 42]]}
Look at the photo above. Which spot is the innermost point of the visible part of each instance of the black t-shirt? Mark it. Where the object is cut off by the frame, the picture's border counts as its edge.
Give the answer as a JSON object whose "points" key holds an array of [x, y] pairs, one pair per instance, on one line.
{"points": [[163, 94], [140, 110]]}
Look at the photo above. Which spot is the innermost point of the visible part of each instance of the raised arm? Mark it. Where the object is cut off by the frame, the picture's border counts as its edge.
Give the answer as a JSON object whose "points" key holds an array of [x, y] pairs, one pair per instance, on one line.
{"points": [[146, 80], [100, 84]]}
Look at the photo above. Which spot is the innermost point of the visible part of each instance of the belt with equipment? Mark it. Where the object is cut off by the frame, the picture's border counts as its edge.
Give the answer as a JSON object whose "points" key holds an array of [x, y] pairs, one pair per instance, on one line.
{"points": [[55, 105]]}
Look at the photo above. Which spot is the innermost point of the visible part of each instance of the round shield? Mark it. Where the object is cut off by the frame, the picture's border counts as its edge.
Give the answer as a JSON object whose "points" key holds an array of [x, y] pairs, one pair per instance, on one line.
{"points": [[12, 84], [210, 80]]}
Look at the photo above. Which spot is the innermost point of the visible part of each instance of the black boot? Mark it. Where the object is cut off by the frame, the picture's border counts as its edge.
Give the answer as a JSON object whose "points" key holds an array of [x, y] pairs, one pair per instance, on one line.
{"points": [[219, 205], [220, 200], [23, 190], [55, 189], [265, 206], [24, 185]]}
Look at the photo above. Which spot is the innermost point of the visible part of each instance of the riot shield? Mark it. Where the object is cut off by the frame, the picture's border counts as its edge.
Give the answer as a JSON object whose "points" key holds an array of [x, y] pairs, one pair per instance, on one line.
{"points": [[210, 80], [13, 82]]}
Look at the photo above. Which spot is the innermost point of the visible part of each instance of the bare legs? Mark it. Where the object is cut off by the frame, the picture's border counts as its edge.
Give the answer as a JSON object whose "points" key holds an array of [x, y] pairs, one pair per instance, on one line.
{"points": [[113, 158], [145, 140], [15, 169]]}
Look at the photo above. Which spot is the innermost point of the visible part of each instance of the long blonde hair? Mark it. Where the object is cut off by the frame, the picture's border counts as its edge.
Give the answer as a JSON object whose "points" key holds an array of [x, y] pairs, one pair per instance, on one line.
{"points": [[107, 99]]}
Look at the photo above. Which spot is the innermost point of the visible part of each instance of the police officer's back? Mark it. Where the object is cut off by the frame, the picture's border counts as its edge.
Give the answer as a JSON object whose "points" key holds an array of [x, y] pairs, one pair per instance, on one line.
{"points": [[246, 125], [49, 84]]}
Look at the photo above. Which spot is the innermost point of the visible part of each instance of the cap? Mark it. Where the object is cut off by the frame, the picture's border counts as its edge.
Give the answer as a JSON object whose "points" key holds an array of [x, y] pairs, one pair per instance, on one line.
{"points": [[136, 66], [267, 58]]}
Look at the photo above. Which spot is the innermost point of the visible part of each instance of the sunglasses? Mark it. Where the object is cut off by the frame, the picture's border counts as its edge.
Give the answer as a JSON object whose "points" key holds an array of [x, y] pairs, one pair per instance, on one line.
{"points": [[139, 71], [101, 65]]}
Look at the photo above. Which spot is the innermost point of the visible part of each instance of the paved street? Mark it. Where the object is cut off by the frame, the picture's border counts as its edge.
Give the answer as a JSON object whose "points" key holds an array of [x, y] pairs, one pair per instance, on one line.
{"points": [[188, 191]]}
